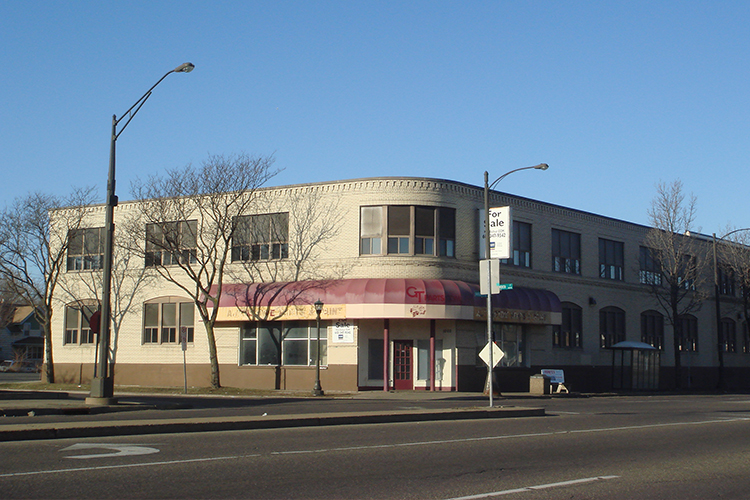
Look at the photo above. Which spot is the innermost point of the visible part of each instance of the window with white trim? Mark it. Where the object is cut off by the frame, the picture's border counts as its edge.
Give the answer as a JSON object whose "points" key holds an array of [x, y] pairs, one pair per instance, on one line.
{"points": [[407, 230], [611, 259], [566, 252], [85, 249], [171, 243], [77, 329], [287, 343], [261, 237], [164, 320]]}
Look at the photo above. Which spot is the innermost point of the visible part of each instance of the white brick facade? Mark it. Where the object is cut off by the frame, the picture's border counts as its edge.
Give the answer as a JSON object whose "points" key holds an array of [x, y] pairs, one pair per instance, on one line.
{"points": [[348, 365]]}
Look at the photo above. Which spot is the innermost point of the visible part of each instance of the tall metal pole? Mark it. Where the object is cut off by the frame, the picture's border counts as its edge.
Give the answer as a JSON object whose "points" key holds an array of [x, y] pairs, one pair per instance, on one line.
{"points": [[102, 385], [487, 256], [487, 250]]}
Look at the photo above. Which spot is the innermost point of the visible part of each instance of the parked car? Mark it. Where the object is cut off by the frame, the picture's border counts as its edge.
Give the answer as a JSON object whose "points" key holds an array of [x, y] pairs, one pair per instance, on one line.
{"points": [[19, 366]]}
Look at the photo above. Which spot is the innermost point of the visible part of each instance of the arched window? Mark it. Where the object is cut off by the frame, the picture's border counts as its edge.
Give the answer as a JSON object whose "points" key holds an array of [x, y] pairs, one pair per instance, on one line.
{"points": [[611, 326], [728, 335], [652, 329], [570, 332], [166, 319], [689, 333], [77, 316]]}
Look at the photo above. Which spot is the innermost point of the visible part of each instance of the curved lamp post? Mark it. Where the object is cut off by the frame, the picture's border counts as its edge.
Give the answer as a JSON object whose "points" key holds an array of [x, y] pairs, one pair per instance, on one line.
{"points": [[719, 332], [487, 255], [317, 389], [102, 386]]}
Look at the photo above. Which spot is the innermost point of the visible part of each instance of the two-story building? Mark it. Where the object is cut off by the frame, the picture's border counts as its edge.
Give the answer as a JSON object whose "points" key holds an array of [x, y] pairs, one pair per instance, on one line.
{"points": [[402, 307]]}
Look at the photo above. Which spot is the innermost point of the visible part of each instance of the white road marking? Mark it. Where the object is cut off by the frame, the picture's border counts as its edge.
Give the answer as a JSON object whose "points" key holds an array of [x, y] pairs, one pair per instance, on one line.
{"points": [[125, 466], [532, 488], [120, 450]]}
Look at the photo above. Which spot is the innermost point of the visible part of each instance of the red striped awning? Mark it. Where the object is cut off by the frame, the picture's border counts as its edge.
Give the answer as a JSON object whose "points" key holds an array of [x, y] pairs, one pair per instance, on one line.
{"points": [[397, 297]]}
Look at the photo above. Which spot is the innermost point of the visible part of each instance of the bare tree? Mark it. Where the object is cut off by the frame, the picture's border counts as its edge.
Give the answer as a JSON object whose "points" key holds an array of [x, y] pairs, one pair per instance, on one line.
{"points": [[129, 278], [34, 238], [189, 216], [297, 270], [680, 259]]}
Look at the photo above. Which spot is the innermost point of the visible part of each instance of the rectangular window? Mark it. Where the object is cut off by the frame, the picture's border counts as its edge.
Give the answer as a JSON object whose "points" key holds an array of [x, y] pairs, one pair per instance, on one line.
{"points": [[408, 230], [611, 259], [168, 323], [151, 323], [447, 231], [171, 243], [85, 249], [371, 230], [568, 334], [687, 272], [726, 281], [291, 343], [424, 231], [521, 240], [650, 267], [261, 237], [165, 322], [399, 229], [566, 252], [423, 360], [375, 359]]}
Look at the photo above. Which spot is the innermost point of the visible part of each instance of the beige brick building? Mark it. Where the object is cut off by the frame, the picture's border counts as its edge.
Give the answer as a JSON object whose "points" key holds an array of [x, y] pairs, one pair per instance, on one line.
{"points": [[401, 305]]}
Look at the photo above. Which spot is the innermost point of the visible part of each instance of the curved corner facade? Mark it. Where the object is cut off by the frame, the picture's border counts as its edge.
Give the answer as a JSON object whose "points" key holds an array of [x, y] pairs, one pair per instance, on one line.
{"points": [[398, 280]]}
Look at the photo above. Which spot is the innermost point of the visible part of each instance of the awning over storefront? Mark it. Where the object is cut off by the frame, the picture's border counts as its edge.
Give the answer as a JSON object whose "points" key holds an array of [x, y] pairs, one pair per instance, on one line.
{"points": [[384, 298]]}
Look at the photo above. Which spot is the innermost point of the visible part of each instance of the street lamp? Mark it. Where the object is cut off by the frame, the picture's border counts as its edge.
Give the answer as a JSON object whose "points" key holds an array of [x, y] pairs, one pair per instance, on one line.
{"points": [[487, 250], [719, 332], [102, 386], [317, 390]]}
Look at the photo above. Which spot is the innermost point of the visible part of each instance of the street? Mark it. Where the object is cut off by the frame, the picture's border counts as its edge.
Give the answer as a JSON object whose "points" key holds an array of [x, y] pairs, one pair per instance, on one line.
{"points": [[665, 447]]}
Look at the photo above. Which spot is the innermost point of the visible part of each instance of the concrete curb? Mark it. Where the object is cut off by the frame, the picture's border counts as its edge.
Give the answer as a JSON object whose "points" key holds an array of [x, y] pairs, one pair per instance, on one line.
{"points": [[63, 430]]}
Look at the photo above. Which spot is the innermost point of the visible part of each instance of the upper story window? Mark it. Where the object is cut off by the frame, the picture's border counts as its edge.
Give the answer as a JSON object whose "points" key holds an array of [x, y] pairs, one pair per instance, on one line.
{"points": [[611, 326], [687, 271], [650, 266], [171, 243], [261, 237], [566, 252], [726, 281], [407, 230], [611, 259], [77, 329], [569, 333], [521, 236], [652, 329], [85, 249], [165, 320]]}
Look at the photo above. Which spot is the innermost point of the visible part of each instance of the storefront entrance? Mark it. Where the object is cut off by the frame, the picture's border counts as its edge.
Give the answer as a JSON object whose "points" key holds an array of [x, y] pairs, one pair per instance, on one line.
{"points": [[402, 365]]}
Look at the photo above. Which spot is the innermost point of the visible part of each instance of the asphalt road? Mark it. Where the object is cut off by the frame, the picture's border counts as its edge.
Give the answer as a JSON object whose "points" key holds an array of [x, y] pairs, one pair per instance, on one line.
{"points": [[660, 447]]}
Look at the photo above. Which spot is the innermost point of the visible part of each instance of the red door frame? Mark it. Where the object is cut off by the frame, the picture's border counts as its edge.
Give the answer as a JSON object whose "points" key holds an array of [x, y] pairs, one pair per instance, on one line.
{"points": [[403, 365]]}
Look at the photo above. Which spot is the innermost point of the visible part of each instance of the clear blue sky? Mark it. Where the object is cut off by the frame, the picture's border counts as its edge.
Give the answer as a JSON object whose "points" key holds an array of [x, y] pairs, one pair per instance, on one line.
{"points": [[615, 96]]}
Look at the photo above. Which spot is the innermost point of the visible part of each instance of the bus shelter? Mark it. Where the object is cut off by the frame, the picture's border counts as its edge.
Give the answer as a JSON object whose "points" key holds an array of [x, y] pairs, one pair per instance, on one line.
{"points": [[635, 366]]}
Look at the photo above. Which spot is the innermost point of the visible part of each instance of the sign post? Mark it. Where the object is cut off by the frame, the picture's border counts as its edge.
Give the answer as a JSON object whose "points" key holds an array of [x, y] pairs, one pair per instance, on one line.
{"points": [[183, 341]]}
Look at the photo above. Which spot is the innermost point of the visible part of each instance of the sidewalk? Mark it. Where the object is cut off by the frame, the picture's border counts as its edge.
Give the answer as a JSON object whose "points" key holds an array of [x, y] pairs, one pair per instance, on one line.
{"points": [[26, 415]]}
